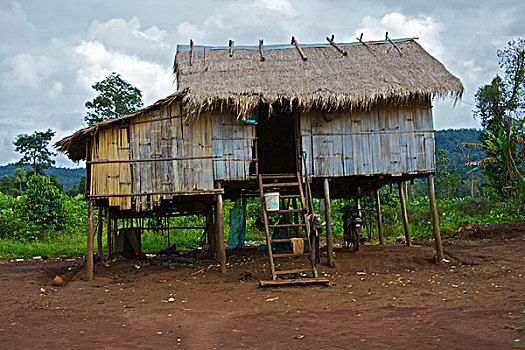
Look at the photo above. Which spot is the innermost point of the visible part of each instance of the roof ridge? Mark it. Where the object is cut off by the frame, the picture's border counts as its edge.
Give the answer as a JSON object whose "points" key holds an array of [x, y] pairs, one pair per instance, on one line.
{"points": [[185, 47]]}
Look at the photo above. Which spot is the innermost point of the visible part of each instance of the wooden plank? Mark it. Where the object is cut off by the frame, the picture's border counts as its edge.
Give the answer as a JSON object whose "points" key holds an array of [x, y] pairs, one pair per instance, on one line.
{"points": [[299, 281], [288, 272]]}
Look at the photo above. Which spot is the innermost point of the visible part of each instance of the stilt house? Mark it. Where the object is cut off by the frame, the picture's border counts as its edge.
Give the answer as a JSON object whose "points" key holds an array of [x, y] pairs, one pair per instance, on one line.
{"points": [[355, 116]]}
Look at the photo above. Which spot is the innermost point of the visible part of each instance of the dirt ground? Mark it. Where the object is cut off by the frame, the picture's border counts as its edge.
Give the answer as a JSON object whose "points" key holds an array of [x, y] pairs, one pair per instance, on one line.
{"points": [[388, 296]]}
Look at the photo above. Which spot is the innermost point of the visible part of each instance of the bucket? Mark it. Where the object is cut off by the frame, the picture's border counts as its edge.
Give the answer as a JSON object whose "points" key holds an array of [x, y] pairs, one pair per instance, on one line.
{"points": [[272, 201]]}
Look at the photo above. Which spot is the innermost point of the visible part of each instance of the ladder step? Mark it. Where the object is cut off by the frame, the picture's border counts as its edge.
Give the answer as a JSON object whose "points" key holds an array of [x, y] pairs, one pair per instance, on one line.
{"points": [[290, 196], [279, 176], [283, 240], [286, 225], [281, 184], [286, 255], [286, 272], [284, 211]]}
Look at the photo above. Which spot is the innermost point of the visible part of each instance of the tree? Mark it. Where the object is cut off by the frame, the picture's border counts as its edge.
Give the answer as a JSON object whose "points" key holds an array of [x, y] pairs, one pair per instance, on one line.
{"points": [[501, 107], [34, 150], [503, 99], [117, 98], [20, 177]]}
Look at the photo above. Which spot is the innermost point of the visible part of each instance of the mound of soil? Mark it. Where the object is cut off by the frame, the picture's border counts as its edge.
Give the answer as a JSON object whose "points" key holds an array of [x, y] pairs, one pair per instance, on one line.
{"points": [[506, 230], [390, 296]]}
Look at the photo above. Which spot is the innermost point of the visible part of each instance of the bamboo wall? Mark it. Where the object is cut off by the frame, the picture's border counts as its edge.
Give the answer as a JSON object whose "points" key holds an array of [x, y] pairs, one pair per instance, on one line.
{"points": [[233, 144], [387, 141], [162, 154], [168, 155]]}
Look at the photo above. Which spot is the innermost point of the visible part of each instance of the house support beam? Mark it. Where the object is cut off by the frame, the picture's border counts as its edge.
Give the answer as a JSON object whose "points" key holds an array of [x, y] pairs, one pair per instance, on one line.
{"points": [[100, 230], [402, 196], [435, 219], [210, 233], [90, 233], [219, 230], [328, 220], [379, 218], [108, 233]]}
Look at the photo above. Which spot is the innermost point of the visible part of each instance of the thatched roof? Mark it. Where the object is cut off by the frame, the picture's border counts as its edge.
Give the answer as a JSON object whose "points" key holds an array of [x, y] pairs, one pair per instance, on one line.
{"points": [[75, 145], [326, 80]]}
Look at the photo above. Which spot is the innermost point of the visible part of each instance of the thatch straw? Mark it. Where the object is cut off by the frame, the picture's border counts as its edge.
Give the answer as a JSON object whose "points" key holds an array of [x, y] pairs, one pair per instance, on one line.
{"points": [[327, 80]]}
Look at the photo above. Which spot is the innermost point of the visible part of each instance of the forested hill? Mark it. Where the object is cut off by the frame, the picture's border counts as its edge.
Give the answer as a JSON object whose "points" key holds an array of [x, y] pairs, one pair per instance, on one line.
{"points": [[447, 140], [66, 176]]}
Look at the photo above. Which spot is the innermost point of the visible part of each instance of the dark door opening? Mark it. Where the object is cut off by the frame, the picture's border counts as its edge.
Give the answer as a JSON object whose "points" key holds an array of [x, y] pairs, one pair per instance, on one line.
{"points": [[276, 141]]}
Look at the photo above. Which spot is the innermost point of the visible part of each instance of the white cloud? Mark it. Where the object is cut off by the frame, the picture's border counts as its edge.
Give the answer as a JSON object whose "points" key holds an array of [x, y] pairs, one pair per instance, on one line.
{"points": [[28, 71], [97, 62], [189, 30], [398, 25], [284, 7]]}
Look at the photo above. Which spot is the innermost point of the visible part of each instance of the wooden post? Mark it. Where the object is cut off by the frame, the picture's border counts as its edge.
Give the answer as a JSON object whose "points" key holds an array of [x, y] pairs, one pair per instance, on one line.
{"points": [[210, 234], [114, 235], [379, 219], [328, 219], [90, 233], [108, 233], [100, 229], [219, 230], [435, 219], [401, 187]]}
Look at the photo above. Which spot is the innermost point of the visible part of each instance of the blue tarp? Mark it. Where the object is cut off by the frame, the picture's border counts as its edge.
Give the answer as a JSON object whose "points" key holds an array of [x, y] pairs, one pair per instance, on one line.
{"points": [[237, 224]]}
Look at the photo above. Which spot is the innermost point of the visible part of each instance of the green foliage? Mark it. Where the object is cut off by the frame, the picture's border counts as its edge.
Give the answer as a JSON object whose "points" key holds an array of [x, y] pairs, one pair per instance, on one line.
{"points": [[20, 177], [116, 98], [504, 99], [34, 150], [505, 161], [447, 177], [79, 188]]}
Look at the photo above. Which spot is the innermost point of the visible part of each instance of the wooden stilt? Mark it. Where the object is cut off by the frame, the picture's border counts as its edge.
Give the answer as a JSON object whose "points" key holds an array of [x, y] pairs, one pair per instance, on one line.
{"points": [[100, 229], [219, 230], [404, 213], [328, 220], [379, 219], [210, 234], [108, 233], [90, 233], [114, 235], [435, 219]]}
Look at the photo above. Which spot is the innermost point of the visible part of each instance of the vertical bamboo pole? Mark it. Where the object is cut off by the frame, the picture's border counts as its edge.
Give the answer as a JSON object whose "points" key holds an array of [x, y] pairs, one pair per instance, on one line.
{"points": [[114, 234], [379, 218], [99, 231], [328, 219], [435, 219], [91, 231], [401, 187], [210, 232], [219, 230], [108, 233]]}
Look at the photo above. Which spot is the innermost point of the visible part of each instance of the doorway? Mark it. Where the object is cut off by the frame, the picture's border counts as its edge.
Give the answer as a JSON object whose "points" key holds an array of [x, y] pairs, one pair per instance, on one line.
{"points": [[276, 141]]}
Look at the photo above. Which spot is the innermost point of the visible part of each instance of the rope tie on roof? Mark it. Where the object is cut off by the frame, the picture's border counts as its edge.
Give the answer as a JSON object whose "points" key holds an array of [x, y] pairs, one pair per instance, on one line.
{"points": [[301, 52], [230, 44], [360, 39], [393, 43], [331, 41], [191, 52], [261, 50]]}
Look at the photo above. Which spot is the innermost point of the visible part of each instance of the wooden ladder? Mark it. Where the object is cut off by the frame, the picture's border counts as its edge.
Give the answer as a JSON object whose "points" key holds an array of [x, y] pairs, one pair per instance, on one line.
{"points": [[291, 187]]}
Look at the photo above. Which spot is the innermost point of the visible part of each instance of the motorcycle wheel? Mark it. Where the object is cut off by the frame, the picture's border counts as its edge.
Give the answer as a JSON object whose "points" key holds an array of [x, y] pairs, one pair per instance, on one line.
{"points": [[355, 238]]}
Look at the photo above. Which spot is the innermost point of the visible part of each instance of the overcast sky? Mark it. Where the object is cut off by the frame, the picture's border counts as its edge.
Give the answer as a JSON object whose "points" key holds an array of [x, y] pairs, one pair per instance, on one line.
{"points": [[51, 52]]}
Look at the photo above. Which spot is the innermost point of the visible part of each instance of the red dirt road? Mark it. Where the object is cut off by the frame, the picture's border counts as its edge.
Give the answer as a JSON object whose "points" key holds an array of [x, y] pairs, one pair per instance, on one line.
{"points": [[382, 297]]}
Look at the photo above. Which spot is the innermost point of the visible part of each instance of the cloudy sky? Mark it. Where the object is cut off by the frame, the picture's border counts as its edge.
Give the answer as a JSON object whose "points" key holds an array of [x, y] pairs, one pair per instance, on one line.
{"points": [[51, 52]]}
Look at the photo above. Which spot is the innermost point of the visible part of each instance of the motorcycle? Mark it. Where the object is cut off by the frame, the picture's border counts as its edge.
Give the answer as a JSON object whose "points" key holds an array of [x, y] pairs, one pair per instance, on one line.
{"points": [[352, 227]]}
